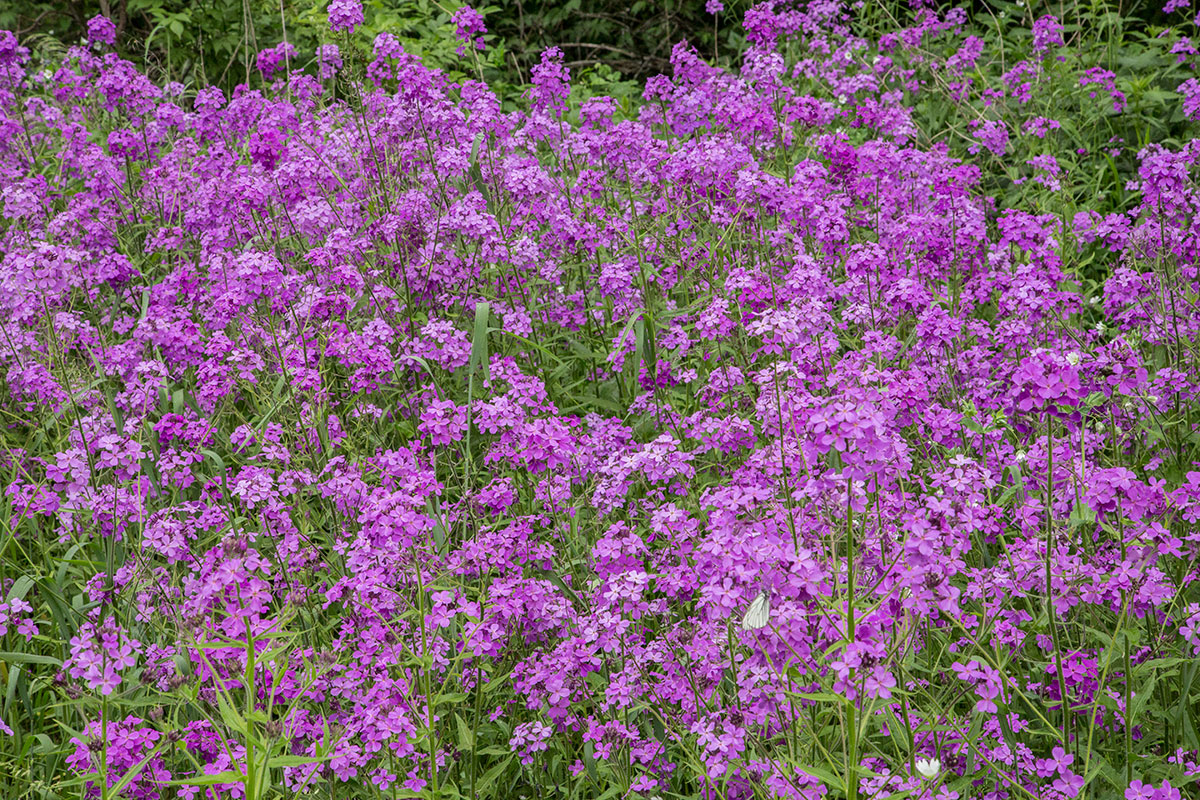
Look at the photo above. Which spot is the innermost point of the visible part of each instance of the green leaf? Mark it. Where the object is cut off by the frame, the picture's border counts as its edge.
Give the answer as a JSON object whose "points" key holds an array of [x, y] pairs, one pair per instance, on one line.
{"points": [[828, 777], [220, 462], [491, 776], [495, 750], [495, 683], [1101, 767], [20, 588], [295, 761], [208, 780], [566, 590], [230, 715], [479, 340], [589, 761], [29, 658], [824, 697], [466, 736], [439, 531]]}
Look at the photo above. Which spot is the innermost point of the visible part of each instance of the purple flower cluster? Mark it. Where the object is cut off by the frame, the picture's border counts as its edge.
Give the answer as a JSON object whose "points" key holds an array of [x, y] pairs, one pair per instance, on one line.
{"points": [[345, 15], [469, 27], [551, 82], [408, 440], [98, 655], [101, 31]]}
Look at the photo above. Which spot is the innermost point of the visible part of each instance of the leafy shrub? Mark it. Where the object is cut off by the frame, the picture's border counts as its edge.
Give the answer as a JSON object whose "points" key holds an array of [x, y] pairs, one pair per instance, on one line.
{"points": [[214, 41]]}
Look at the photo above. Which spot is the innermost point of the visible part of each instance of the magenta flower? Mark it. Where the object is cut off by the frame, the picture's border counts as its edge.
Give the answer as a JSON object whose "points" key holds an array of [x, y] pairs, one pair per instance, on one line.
{"points": [[469, 28], [1047, 33], [101, 31], [551, 82], [345, 15]]}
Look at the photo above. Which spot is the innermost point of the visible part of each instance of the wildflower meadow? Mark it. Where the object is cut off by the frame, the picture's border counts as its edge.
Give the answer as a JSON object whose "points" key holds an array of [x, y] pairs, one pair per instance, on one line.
{"points": [[817, 422]]}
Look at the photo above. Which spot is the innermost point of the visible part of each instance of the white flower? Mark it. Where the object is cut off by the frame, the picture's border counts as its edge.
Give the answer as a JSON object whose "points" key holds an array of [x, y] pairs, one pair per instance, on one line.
{"points": [[929, 768], [1073, 359], [1022, 456]]}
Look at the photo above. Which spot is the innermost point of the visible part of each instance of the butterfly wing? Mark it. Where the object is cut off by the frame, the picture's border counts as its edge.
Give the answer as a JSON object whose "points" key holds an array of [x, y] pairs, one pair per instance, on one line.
{"points": [[758, 614]]}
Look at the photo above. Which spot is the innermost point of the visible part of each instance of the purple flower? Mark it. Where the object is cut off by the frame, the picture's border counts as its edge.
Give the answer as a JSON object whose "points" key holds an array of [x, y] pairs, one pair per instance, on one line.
{"points": [[273, 59], [329, 59], [1190, 89], [1047, 33], [469, 27], [101, 31], [1140, 791], [444, 422], [551, 82], [993, 135], [98, 655], [345, 15]]}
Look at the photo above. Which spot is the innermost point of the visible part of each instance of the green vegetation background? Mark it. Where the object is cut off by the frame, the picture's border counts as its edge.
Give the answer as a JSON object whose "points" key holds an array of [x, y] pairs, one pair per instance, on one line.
{"points": [[202, 42]]}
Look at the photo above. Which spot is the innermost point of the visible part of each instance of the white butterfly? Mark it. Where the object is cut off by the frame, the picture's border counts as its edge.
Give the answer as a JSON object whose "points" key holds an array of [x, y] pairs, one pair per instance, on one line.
{"points": [[759, 612]]}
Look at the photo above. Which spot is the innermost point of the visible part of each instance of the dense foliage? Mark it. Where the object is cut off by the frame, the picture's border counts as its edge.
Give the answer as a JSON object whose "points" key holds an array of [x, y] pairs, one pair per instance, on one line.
{"points": [[824, 427], [213, 42]]}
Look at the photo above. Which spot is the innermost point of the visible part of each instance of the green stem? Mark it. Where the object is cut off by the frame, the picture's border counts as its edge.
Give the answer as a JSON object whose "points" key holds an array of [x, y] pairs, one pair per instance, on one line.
{"points": [[852, 753], [1062, 684]]}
